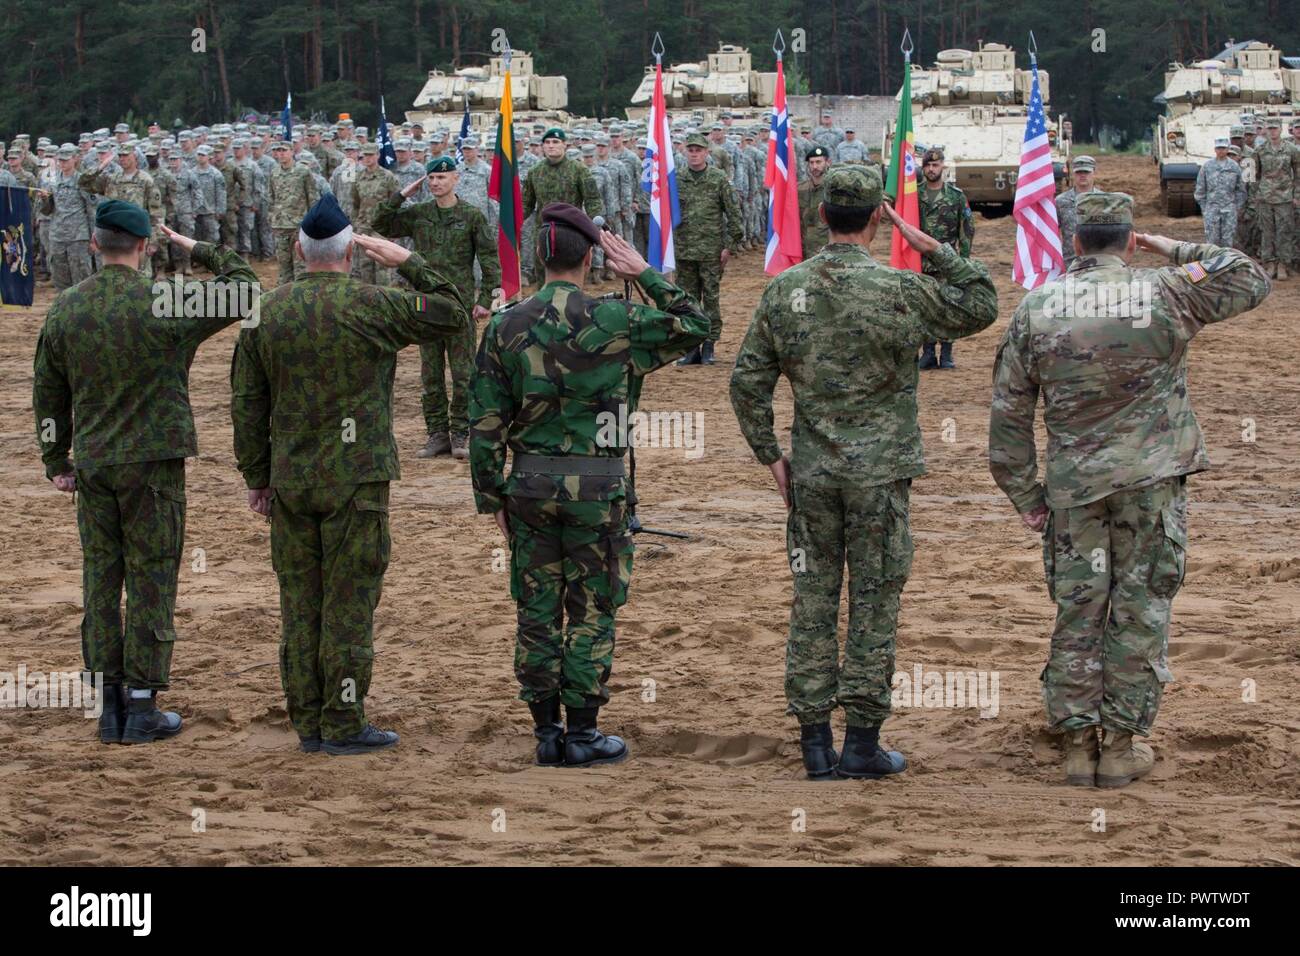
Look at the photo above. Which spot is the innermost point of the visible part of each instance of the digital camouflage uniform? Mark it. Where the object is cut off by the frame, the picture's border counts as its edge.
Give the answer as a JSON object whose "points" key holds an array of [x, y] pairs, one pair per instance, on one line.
{"points": [[369, 189], [1221, 194], [710, 222], [293, 191], [105, 361], [137, 187], [312, 392], [1121, 437], [850, 355], [210, 206], [185, 199], [72, 219], [228, 221], [566, 181], [451, 240], [1278, 167], [546, 369]]}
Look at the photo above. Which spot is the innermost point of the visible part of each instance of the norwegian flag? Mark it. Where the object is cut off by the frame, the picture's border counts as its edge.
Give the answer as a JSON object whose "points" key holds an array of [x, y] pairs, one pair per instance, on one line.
{"points": [[1038, 234], [659, 179], [784, 243]]}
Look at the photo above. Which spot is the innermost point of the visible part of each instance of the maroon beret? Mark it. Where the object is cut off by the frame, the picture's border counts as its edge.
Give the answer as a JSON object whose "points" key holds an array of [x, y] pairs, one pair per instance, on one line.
{"points": [[563, 214]]}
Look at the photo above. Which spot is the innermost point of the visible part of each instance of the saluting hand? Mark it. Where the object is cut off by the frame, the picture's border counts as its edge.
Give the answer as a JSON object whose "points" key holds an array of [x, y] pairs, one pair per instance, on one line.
{"points": [[1160, 245], [621, 256], [185, 242], [384, 251], [411, 189], [915, 237]]}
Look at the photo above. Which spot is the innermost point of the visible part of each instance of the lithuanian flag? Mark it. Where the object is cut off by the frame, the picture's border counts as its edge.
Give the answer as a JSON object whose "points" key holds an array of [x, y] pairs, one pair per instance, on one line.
{"points": [[504, 188], [901, 187]]}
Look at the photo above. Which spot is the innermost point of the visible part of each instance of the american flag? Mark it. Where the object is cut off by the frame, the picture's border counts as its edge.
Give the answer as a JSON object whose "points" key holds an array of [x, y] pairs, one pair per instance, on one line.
{"points": [[784, 242], [1038, 235]]}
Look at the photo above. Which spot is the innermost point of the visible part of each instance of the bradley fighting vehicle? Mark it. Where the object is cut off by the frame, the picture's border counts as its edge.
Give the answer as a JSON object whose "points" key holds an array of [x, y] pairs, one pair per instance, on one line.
{"points": [[725, 81], [975, 105], [1204, 100], [536, 98]]}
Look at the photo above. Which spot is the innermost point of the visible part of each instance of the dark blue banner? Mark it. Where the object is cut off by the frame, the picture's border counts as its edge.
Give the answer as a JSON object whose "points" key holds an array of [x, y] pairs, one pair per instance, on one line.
{"points": [[17, 280]]}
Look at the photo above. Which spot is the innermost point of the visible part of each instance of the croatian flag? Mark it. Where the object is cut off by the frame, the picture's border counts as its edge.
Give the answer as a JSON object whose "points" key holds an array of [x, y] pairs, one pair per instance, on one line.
{"points": [[659, 179], [784, 244], [1038, 234]]}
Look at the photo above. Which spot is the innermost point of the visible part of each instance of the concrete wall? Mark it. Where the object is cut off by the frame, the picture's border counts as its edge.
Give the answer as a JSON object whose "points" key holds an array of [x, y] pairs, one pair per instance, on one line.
{"points": [[866, 115]]}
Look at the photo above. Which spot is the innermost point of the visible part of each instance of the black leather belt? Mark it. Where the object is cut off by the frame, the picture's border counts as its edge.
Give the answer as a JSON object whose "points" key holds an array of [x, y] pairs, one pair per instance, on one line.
{"points": [[583, 465]]}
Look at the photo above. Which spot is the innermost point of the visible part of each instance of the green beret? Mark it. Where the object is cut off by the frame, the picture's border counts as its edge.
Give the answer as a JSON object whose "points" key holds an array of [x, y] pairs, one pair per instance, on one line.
{"points": [[697, 139], [443, 164], [554, 133], [853, 186], [1103, 209], [123, 216]]}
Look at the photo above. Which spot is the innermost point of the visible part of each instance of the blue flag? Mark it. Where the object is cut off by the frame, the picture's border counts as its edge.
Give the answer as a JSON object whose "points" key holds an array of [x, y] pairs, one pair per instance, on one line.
{"points": [[387, 156], [464, 133], [286, 118], [17, 280]]}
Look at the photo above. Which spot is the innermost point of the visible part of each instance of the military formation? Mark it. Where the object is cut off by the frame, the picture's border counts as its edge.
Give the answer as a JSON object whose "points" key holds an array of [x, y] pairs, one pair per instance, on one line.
{"points": [[373, 259]]}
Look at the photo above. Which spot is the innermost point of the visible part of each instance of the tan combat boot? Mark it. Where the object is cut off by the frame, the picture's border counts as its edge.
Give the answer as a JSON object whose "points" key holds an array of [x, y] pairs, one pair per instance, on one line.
{"points": [[460, 446], [1282, 274], [1123, 759], [439, 443], [1082, 752]]}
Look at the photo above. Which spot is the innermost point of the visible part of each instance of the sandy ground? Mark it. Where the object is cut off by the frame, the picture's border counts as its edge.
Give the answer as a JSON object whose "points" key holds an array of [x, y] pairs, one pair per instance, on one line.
{"points": [[715, 775]]}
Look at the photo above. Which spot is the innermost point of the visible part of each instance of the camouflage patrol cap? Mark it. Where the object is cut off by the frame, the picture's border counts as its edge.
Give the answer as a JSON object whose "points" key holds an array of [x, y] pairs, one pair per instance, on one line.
{"points": [[853, 186], [469, 142], [151, 150], [438, 136], [1237, 131], [85, 138], [1104, 209], [103, 146], [642, 143], [1222, 142], [346, 123], [697, 139], [1083, 164], [1234, 150], [101, 132], [368, 149], [279, 144], [121, 128], [125, 149], [351, 146], [14, 153], [257, 141], [602, 139], [363, 130], [1273, 122], [819, 152], [67, 151], [404, 144]]}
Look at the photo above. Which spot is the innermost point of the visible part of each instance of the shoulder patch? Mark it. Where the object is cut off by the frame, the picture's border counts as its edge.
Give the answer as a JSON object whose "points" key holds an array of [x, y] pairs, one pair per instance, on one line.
{"points": [[1194, 271]]}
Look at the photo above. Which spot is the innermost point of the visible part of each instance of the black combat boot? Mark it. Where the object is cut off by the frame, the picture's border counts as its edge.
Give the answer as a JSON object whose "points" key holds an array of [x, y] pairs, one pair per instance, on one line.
{"points": [[549, 732], [928, 361], [945, 355], [863, 757], [818, 746], [690, 358], [584, 745], [113, 716], [145, 723], [706, 353], [367, 741], [309, 745]]}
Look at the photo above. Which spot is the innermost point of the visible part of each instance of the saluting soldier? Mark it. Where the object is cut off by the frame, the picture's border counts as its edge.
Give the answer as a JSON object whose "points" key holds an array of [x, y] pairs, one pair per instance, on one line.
{"points": [[847, 342], [371, 186], [312, 397], [546, 367], [293, 192], [1107, 348], [112, 385]]}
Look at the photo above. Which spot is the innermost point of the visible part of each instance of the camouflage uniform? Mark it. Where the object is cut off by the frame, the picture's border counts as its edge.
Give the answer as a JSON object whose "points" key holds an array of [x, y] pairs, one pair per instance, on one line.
{"points": [[566, 181], [852, 151], [247, 176], [1067, 218], [211, 203], [452, 240], [341, 185], [856, 447], [312, 408], [1221, 194], [106, 362], [1121, 439], [1278, 167], [606, 179], [72, 217], [710, 223], [546, 368], [265, 235], [137, 187], [370, 188], [946, 216], [185, 198], [228, 221], [293, 192], [813, 232]]}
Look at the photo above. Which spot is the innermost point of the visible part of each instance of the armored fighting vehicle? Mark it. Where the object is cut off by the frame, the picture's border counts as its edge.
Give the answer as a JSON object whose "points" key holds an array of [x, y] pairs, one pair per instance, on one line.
{"points": [[725, 81], [535, 98], [1203, 100], [975, 105]]}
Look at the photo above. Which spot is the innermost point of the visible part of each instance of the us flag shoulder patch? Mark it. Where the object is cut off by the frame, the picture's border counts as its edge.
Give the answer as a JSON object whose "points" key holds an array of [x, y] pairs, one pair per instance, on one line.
{"points": [[1195, 271]]}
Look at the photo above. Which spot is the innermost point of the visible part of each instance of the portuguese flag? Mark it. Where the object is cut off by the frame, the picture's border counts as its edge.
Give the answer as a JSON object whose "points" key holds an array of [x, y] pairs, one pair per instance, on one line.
{"points": [[504, 188], [901, 186]]}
